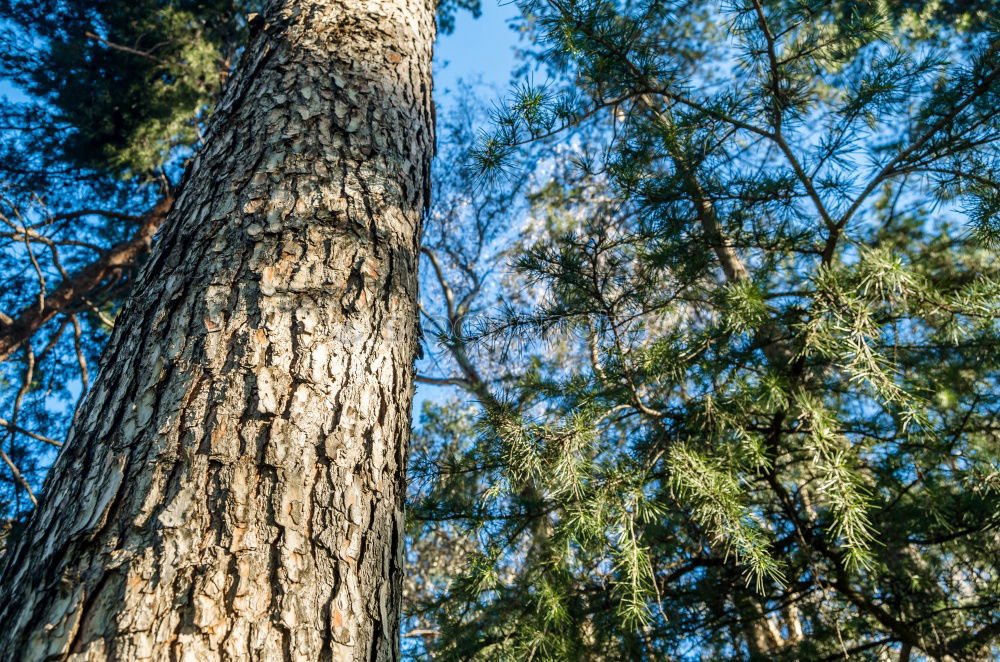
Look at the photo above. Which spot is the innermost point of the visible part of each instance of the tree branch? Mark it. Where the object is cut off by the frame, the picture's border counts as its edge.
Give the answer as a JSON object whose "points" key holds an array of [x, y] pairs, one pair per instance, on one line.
{"points": [[27, 433], [31, 318]]}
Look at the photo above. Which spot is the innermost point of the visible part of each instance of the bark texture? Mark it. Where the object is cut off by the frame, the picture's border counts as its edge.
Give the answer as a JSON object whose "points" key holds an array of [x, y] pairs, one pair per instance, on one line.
{"points": [[232, 487]]}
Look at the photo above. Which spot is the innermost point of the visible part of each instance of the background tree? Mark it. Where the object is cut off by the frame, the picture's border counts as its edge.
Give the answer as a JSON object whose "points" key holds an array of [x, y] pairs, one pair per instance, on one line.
{"points": [[109, 100], [761, 423]]}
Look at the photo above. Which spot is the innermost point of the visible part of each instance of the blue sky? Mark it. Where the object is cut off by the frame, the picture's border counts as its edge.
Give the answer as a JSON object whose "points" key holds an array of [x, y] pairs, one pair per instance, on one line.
{"points": [[479, 47]]}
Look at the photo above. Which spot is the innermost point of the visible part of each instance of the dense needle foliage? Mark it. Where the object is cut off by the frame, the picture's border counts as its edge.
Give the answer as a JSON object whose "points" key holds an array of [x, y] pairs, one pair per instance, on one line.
{"points": [[750, 406]]}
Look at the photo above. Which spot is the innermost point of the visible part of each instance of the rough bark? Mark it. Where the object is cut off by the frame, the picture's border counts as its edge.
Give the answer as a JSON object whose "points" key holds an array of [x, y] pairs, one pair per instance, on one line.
{"points": [[232, 487], [14, 332]]}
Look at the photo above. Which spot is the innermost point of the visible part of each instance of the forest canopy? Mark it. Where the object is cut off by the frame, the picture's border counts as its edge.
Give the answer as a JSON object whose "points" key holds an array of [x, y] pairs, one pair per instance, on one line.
{"points": [[710, 304]]}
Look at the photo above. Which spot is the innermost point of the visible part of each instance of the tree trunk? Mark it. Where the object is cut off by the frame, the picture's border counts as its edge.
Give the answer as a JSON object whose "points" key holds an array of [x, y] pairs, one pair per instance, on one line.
{"points": [[232, 487]]}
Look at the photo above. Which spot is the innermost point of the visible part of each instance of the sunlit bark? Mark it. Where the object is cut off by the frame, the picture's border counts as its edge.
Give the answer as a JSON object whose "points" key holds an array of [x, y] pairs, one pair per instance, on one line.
{"points": [[232, 486]]}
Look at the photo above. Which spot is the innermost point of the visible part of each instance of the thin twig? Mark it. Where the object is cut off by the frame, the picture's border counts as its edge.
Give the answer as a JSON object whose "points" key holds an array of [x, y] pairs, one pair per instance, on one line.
{"points": [[18, 477], [28, 433]]}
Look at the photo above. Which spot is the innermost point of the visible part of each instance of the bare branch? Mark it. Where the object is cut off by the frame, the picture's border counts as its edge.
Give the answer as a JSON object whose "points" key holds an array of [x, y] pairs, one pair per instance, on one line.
{"points": [[18, 476], [442, 381], [31, 318], [126, 49], [29, 374], [80, 359], [449, 295], [28, 433]]}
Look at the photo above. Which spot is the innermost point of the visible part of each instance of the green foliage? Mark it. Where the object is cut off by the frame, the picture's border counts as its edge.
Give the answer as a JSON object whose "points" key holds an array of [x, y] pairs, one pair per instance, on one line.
{"points": [[753, 415], [126, 83]]}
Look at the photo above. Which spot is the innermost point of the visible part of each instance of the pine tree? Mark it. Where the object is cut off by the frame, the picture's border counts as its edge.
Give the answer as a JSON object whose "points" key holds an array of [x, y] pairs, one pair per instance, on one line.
{"points": [[232, 486], [761, 329]]}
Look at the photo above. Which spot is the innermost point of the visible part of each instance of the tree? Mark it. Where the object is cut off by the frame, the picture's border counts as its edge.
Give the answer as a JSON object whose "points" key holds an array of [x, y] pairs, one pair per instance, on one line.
{"points": [[110, 99], [232, 485], [750, 410], [761, 324]]}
